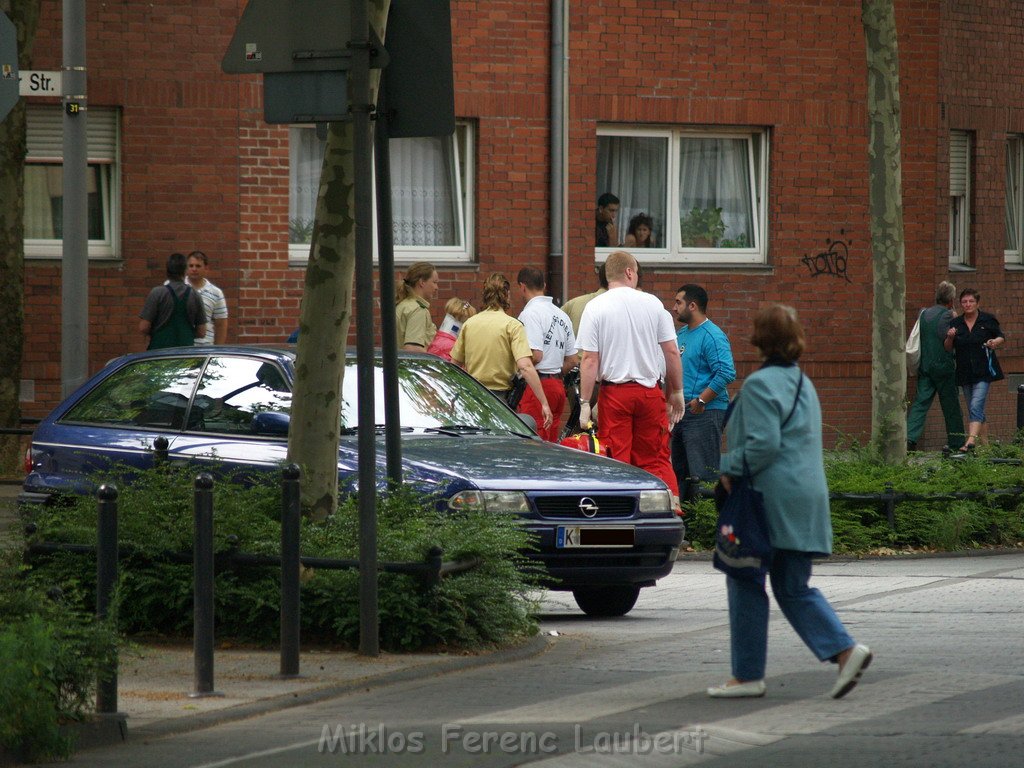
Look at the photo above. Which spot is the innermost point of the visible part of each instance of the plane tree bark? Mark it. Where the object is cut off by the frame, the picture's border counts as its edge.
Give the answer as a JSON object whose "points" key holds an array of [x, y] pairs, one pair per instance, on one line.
{"points": [[326, 314], [25, 15], [888, 358]]}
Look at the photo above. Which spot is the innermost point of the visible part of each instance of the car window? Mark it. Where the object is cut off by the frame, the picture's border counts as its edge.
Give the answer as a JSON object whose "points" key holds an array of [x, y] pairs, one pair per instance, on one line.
{"points": [[149, 393], [432, 393], [233, 390]]}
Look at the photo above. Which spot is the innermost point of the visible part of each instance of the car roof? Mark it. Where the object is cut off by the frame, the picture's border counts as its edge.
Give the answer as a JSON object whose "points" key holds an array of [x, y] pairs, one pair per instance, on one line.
{"points": [[279, 350]]}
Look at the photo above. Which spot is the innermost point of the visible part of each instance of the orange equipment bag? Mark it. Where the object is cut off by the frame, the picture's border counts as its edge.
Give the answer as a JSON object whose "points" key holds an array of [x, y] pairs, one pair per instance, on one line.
{"points": [[585, 441]]}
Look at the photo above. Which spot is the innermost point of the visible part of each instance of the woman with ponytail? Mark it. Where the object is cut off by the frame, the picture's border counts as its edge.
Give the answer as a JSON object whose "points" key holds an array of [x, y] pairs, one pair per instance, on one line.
{"points": [[415, 327]]}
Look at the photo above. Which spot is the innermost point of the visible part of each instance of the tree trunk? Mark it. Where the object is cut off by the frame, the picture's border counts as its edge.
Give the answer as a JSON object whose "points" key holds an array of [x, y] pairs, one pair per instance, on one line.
{"points": [[326, 315], [25, 15], [888, 358]]}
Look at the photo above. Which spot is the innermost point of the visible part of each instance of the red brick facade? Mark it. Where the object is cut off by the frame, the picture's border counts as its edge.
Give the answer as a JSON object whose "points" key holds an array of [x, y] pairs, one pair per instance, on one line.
{"points": [[200, 169]]}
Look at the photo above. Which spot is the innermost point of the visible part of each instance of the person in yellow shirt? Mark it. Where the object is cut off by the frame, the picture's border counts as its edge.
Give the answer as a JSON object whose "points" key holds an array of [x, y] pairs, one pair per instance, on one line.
{"points": [[415, 327], [492, 346]]}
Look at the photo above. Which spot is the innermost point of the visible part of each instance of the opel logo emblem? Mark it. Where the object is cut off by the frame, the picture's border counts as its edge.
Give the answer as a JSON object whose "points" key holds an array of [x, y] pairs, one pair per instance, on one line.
{"points": [[588, 507]]}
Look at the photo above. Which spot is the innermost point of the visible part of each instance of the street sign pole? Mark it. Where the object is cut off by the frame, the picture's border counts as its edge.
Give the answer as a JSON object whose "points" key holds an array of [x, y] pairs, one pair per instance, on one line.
{"points": [[74, 345]]}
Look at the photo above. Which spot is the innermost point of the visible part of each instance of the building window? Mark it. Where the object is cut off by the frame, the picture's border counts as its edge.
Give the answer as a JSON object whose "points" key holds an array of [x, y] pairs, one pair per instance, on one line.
{"points": [[704, 190], [44, 175], [431, 195], [959, 198], [1014, 200]]}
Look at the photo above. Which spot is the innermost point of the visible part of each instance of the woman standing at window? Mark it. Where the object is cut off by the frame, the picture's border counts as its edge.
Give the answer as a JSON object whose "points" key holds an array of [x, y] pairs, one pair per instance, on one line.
{"points": [[415, 327], [976, 336]]}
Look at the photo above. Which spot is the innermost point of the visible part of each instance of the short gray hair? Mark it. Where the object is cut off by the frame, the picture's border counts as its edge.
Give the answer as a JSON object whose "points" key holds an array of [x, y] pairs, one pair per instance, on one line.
{"points": [[945, 293]]}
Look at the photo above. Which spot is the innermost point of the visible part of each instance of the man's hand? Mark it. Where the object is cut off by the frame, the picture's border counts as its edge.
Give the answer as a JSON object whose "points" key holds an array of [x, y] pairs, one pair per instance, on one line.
{"points": [[585, 421], [676, 408], [545, 410]]}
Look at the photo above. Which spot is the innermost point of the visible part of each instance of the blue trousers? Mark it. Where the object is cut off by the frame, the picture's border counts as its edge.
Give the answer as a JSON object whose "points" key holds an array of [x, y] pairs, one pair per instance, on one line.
{"points": [[806, 609]]}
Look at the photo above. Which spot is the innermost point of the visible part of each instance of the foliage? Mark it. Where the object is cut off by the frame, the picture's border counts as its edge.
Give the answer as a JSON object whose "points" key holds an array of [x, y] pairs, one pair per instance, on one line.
{"points": [[702, 227], [52, 655], [862, 525], [489, 604]]}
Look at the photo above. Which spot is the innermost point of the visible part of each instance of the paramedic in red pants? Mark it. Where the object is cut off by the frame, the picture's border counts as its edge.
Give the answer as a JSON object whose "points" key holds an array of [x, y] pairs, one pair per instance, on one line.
{"points": [[628, 342]]}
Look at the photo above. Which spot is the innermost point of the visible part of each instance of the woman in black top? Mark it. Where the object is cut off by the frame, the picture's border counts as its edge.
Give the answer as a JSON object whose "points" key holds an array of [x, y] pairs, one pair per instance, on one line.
{"points": [[976, 336]]}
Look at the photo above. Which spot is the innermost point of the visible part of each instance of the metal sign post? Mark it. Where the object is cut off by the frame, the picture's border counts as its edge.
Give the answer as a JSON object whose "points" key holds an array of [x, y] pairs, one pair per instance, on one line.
{"points": [[8, 65]]}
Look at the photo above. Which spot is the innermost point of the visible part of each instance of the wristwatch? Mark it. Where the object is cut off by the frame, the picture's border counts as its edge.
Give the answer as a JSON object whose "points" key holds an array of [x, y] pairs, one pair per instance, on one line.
{"points": [[699, 400]]}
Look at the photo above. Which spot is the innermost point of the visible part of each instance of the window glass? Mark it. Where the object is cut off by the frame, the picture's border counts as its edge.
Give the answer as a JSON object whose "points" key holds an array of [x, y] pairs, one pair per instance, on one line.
{"points": [[430, 193], [635, 169], [233, 390], [150, 393], [44, 201], [959, 197], [716, 209], [432, 394], [1014, 201]]}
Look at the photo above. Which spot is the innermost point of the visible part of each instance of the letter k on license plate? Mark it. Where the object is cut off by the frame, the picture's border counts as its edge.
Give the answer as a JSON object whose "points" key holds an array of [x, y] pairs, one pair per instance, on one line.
{"points": [[576, 536]]}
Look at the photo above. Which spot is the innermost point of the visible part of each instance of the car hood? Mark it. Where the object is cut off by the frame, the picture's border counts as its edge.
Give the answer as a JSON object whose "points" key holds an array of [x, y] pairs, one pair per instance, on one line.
{"points": [[494, 462]]}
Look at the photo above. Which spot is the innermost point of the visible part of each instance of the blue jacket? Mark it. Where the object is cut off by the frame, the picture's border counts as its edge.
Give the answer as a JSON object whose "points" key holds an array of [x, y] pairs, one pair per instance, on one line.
{"points": [[787, 463], [707, 362]]}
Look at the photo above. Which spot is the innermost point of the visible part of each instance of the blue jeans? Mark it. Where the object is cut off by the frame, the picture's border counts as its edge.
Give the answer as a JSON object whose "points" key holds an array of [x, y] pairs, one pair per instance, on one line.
{"points": [[976, 394], [806, 609]]}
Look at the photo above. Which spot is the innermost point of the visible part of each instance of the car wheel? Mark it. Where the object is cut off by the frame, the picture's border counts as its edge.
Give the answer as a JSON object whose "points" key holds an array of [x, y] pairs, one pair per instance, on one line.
{"points": [[612, 600]]}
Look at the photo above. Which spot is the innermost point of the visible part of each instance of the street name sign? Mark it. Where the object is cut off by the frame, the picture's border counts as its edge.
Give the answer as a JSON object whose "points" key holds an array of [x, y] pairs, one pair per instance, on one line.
{"points": [[41, 83]]}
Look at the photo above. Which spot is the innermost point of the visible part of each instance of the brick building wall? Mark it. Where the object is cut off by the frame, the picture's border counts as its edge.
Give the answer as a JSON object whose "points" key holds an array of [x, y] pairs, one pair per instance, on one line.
{"points": [[201, 169]]}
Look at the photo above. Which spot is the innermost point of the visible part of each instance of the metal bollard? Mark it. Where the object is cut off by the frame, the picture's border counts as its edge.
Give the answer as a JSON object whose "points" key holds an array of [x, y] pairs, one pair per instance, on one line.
{"points": [[160, 446], [290, 567], [1020, 406], [202, 595], [434, 560], [106, 578]]}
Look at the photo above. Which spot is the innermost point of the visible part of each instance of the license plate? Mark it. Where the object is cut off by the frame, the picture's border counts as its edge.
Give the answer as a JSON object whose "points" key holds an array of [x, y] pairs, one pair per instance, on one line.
{"points": [[577, 536]]}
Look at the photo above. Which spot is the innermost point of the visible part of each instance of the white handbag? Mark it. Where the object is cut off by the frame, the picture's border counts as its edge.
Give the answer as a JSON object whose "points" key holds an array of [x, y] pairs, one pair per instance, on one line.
{"points": [[914, 347]]}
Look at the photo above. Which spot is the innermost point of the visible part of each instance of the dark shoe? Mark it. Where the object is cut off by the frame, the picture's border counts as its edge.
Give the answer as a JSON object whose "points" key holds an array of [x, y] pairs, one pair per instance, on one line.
{"points": [[966, 447]]}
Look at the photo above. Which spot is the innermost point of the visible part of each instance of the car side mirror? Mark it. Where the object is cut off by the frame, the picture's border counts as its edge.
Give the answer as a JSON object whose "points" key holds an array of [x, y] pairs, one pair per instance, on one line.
{"points": [[270, 424]]}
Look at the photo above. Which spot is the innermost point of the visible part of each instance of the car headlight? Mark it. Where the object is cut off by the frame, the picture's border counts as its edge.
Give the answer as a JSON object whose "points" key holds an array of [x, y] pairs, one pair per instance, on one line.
{"points": [[655, 501], [489, 501]]}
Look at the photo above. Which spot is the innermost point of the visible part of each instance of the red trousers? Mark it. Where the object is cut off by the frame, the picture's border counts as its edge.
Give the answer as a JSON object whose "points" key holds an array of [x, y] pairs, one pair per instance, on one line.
{"points": [[554, 390], [632, 421]]}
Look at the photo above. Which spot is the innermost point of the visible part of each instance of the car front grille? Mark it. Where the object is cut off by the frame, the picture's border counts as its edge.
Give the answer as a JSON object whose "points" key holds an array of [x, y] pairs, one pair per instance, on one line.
{"points": [[576, 507]]}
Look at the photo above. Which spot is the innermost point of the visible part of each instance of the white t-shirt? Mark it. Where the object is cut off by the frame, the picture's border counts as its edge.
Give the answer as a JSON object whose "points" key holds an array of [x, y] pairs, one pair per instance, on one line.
{"points": [[216, 308], [548, 329], [626, 327]]}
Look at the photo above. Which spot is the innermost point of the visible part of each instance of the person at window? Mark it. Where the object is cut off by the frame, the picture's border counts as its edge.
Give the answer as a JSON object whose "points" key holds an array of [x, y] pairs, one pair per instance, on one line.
{"points": [[606, 233], [976, 336], [492, 346], [640, 231], [936, 372], [173, 314], [553, 343], [457, 312], [414, 325], [774, 434], [574, 307], [214, 304], [708, 369], [629, 346]]}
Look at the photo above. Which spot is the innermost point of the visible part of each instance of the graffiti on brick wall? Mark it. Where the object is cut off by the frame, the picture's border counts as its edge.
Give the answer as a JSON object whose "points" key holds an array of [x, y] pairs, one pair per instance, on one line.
{"points": [[834, 260]]}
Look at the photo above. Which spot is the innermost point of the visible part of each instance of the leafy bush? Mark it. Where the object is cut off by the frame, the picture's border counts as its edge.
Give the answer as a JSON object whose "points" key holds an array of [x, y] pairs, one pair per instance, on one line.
{"points": [[489, 604], [942, 524], [52, 656]]}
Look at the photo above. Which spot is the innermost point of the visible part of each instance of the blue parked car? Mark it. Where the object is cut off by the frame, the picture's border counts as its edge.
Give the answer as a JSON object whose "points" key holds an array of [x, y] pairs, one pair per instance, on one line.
{"points": [[603, 529]]}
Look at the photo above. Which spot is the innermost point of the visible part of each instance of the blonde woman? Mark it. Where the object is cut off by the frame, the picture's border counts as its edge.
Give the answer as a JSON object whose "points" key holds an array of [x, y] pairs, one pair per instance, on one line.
{"points": [[415, 327]]}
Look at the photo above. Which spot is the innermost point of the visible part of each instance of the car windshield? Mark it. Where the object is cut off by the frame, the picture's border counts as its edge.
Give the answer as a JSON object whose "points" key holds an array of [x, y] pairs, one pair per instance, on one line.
{"points": [[433, 394]]}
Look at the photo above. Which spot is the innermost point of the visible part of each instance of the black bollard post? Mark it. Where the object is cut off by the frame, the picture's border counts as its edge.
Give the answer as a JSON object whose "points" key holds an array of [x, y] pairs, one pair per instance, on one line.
{"points": [[106, 577], [1020, 406], [434, 560], [160, 446], [290, 567], [202, 595]]}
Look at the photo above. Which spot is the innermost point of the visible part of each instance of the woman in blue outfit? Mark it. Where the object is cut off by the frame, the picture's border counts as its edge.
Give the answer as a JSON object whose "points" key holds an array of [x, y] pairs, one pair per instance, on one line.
{"points": [[775, 430], [976, 336]]}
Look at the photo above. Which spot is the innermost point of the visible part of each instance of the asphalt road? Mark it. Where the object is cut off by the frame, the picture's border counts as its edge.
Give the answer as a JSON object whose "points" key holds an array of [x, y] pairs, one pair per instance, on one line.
{"points": [[946, 689]]}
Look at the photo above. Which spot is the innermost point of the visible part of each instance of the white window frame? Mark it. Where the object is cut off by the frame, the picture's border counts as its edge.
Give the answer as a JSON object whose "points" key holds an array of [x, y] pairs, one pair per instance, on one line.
{"points": [[671, 252], [1015, 197], [464, 177], [960, 144], [45, 135]]}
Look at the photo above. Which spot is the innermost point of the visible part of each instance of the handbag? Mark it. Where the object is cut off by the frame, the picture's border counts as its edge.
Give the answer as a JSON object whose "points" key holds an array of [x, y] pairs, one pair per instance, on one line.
{"points": [[914, 347], [743, 544]]}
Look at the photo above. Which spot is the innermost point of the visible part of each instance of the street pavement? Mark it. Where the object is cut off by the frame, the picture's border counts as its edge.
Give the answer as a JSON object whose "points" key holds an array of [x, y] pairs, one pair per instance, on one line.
{"points": [[946, 687]]}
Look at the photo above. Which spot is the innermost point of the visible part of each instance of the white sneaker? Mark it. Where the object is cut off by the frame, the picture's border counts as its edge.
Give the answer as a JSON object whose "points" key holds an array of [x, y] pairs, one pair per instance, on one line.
{"points": [[859, 660], [751, 689]]}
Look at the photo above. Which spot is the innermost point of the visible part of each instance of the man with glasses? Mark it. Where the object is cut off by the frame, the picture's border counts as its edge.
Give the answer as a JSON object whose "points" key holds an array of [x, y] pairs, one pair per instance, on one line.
{"points": [[628, 342]]}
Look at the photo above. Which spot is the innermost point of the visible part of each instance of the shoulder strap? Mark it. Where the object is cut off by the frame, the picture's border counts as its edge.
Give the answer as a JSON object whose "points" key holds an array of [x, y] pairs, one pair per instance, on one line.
{"points": [[796, 400]]}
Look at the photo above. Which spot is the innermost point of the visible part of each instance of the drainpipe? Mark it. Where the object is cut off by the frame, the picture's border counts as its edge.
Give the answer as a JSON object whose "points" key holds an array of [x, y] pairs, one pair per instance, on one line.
{"points": [[557, 277]]}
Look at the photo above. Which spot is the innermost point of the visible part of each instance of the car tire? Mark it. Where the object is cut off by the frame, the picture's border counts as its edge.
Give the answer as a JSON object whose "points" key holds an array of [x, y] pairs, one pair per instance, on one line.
{"points": [[611, 600]]}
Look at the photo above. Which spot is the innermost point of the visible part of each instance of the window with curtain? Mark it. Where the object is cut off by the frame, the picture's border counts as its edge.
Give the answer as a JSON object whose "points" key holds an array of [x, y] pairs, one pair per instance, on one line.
{"points": [[1014, 201], [431, 194], [44, 178], [959, 197], [704, 190]]}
